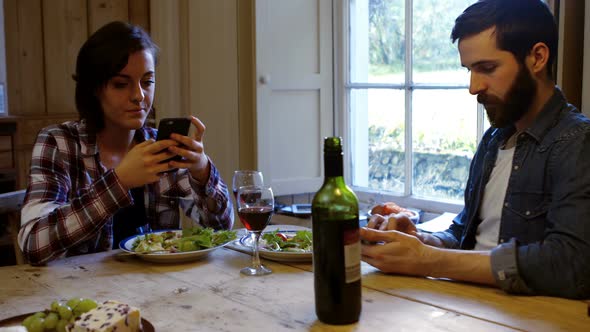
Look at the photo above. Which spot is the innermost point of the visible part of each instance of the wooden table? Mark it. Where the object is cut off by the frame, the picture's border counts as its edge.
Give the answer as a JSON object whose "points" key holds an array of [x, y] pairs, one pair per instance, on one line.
{"points": [[211, 295]]}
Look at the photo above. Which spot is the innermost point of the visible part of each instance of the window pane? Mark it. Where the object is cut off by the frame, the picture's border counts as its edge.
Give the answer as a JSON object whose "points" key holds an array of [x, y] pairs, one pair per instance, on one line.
{"points": [[378, 139], [435, 57], [377, 41], [444, 139]]}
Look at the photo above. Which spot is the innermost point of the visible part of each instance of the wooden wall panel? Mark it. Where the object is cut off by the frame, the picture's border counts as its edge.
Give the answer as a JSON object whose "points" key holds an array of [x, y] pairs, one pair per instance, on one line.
{"points": [[246, 88], [65, 28], [166, 27], [573, 54], [213, 73], [139, 13], [25, 65], [101, 12]]}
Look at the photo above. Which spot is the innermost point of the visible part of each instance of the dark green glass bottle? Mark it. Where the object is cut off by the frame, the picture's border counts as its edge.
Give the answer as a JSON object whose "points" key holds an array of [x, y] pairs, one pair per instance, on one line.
{"points": [[336, 243]]}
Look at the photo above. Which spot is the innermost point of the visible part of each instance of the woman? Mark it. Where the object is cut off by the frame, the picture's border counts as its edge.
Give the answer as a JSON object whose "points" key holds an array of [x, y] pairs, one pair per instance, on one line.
{"points": [[96, 181]]}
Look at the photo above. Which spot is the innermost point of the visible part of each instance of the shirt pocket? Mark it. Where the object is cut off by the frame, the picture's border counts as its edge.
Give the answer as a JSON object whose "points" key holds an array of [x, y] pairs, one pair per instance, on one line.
{"points": [[525, 216]]}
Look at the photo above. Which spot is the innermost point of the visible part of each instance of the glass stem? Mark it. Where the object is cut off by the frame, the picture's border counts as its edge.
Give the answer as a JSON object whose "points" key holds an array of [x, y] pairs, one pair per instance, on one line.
{"points": [[255, 257]]}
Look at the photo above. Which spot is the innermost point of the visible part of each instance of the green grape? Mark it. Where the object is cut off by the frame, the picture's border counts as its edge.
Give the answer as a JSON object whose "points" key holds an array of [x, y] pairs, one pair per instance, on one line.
{"points": [[40, 314], [73, 302], [65, 312], [84, 306], [54, 306], [61, 325], [27, 322], [36, 325], [51, 320]]}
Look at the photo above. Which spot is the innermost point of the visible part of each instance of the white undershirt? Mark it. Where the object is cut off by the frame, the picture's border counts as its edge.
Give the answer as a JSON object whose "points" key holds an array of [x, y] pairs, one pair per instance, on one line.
{"points": [[494, 193]]}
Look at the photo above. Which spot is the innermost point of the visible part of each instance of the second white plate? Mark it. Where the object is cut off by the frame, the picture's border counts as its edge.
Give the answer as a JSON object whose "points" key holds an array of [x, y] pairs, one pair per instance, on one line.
{"points": [[244, 244]]}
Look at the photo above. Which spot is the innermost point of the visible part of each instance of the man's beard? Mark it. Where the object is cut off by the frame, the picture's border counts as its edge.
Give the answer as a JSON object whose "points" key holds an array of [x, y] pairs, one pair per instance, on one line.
{"points": [[502, 113]]}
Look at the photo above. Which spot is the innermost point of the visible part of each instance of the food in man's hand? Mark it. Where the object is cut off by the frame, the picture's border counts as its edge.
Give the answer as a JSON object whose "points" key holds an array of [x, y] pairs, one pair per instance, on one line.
{"points": [[108, 317], [191, 239], [388, 208]]}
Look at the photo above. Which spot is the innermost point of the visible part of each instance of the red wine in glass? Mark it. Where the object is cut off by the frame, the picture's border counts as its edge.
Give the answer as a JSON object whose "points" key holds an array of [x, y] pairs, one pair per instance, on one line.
{"points": [[255, 208], [255, 219]]}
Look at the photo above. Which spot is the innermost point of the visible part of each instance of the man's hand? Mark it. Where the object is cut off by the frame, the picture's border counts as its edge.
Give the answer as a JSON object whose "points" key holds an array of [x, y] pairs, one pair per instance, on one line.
{"points": [[397, 252], [402, 223], [143, 163]]}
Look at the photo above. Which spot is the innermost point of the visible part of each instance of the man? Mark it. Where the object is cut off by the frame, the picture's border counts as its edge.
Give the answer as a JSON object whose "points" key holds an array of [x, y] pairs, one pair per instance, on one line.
{"points": [[527, 200]]}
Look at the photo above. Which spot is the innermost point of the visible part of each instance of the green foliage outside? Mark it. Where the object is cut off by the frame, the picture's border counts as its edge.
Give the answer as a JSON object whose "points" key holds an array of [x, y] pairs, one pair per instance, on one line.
{"points": [[441, 163], [432, 24], [394, 139]]}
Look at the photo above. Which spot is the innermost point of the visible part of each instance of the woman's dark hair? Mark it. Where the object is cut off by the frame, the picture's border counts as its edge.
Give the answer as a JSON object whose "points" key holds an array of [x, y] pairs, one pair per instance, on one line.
{"points": [[520, 24], [102, 57]]}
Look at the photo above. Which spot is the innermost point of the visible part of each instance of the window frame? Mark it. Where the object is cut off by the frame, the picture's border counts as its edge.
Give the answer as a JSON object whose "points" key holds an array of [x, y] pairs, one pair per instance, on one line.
{"points": [[342, 113]]}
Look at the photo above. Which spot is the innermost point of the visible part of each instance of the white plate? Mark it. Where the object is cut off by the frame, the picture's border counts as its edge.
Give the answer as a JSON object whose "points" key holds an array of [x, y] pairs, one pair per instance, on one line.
{"points": [[244, 244], [17, 320], [176, 257]]}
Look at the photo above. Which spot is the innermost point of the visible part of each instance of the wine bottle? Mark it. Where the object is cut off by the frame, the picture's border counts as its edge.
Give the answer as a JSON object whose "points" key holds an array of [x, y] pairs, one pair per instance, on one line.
{"points": [[336, 243]]}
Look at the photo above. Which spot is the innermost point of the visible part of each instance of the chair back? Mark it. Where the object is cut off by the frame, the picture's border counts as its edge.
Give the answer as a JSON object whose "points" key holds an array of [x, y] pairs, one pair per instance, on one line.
{"points": [[10, 205], [12, 201]]}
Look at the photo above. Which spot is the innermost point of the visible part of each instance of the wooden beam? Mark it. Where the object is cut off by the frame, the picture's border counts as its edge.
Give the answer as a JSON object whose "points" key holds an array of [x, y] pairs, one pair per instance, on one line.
{"points": [[65, 29], [101, 12], [139, 13]]}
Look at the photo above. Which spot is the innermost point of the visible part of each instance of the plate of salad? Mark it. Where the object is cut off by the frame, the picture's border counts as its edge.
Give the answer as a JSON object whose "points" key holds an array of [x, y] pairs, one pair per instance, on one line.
{"points": [[177, 246], [285, 243]]}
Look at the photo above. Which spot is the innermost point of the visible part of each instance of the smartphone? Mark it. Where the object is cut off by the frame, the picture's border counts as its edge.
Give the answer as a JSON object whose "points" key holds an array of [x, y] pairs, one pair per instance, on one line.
{"points": [[168, 126]]}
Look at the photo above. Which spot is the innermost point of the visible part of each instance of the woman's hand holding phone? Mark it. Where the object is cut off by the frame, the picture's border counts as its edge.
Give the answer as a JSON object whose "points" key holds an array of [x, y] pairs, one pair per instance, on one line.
{"points": [[144, 163], [192, 151], [169, 126], [147, 161]]}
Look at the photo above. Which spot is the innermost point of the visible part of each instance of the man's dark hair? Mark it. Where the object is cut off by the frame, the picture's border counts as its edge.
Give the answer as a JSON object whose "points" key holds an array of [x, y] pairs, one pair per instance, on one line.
{"points": [[102, 57], [520, 24]]}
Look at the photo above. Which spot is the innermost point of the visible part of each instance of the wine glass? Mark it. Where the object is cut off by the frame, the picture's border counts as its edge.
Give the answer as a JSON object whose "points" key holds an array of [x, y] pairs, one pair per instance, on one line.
{"points": [[255, 208], [245, 178]]}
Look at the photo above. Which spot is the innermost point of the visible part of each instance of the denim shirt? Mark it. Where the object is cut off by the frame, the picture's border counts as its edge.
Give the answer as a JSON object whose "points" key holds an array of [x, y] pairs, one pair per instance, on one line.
{"points": [[544, 237]]}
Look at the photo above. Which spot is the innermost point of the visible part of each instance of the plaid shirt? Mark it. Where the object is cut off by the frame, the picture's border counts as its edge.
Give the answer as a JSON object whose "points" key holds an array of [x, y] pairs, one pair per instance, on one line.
{"points": [[72, 197]]}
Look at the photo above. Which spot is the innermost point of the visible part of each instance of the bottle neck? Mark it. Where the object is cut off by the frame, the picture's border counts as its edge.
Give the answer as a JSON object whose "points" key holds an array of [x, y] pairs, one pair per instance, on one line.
{"points": [[333, 165]]}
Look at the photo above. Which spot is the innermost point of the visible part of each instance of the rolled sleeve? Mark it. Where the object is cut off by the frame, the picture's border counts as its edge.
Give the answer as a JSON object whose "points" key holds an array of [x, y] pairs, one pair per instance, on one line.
{"points": [[505, 269], [448, 239], [212, 205], [209, 188]]}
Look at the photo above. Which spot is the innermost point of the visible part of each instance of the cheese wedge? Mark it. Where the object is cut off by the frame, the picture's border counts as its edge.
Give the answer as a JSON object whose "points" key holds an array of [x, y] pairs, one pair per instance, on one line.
{"points": [[13, 329], [108, 317]]}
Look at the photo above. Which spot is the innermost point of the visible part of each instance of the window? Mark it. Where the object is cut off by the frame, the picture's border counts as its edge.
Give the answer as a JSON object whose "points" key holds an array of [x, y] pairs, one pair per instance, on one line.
{"points": [[412, 124]]}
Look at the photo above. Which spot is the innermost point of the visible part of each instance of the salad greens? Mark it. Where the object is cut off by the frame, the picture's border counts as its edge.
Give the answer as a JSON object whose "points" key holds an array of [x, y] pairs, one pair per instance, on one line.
{"points": [[191, 239], [277, 241]]}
